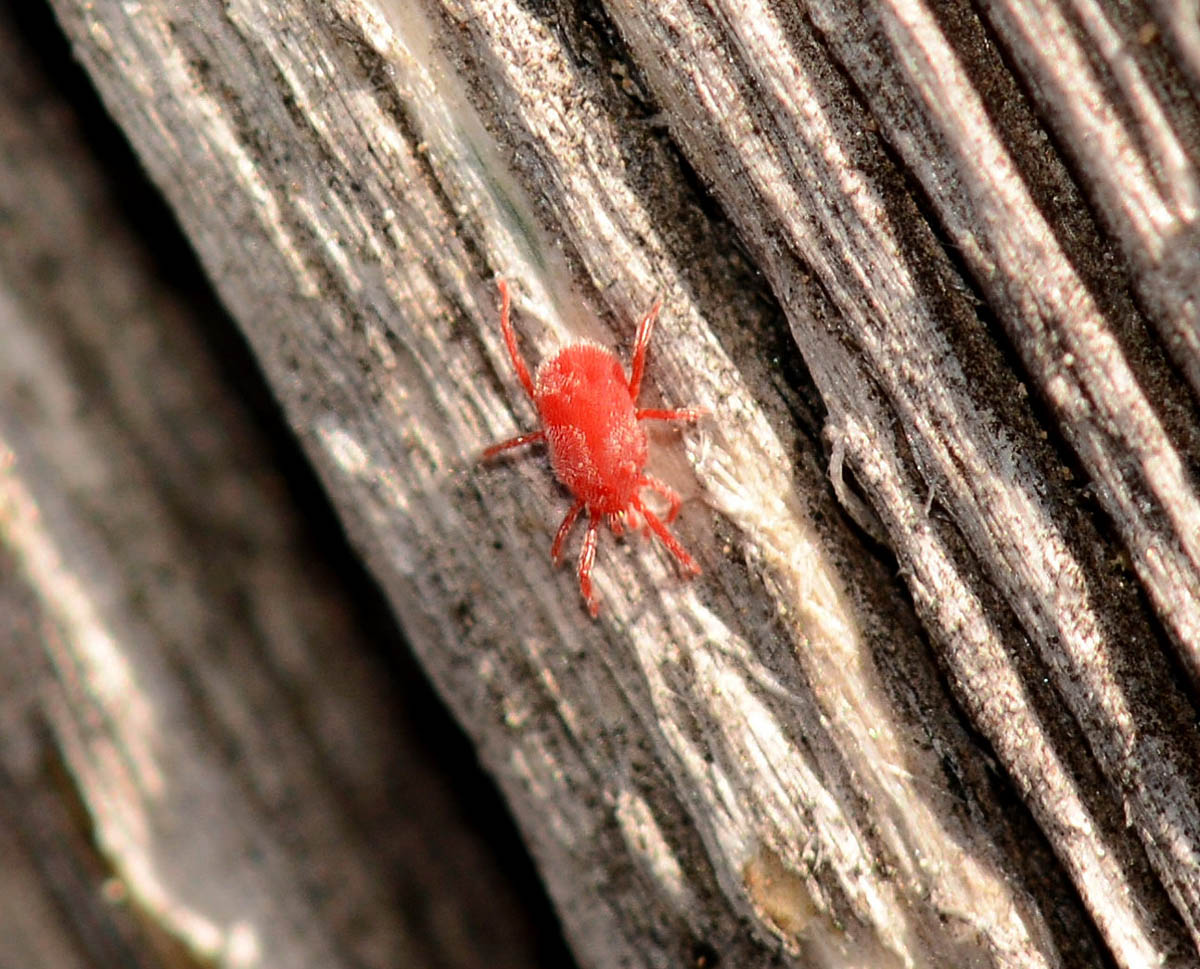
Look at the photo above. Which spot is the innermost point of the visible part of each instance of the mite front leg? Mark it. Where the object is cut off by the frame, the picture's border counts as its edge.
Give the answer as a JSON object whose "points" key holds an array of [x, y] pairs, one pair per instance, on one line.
{"points": [[510, 341], [679, 414], [645, 328]]}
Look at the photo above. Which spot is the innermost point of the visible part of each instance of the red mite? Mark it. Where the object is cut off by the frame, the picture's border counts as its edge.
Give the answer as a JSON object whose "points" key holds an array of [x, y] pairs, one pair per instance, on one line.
{"points": [[591, 421]]}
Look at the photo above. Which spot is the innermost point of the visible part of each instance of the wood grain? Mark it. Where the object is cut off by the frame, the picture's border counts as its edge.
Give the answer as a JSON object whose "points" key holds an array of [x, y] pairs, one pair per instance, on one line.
{"points": [[934, 271]]}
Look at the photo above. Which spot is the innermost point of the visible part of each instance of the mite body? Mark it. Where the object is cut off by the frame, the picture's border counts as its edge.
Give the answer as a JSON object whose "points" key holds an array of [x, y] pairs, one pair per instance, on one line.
{"points": [[592, 425]]}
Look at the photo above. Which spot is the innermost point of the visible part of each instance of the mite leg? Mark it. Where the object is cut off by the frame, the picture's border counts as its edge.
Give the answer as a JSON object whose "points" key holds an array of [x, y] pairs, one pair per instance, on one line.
{"points": [[587, 556], [682, 414], [686, 561], [531, 438], [667, 492], [510, 340], [645, 327], [563, 530]]}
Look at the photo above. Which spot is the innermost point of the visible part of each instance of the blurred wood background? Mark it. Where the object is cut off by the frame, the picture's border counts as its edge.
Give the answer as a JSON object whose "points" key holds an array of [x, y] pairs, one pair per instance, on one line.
{"points": [[935, 271]]}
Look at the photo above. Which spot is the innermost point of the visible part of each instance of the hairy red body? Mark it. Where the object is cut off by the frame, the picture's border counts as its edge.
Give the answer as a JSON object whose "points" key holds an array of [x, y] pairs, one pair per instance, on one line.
{"points": [[597, 448], [591, 423]]}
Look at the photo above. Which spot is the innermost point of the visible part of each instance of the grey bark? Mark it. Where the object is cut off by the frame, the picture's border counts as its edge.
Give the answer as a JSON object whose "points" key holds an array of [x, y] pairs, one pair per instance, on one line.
{"points": [[206, 754], [934, 273]]}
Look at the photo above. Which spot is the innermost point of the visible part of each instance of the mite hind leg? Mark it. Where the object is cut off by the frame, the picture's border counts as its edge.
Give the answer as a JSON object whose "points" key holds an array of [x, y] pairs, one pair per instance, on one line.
{"points": [[686, 562], [564, 530], [531, 438], [669, 493], [587, 558]]}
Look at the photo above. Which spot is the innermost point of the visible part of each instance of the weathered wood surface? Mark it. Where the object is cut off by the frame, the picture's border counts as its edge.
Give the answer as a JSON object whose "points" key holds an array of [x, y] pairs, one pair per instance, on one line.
{"points": [[207, 755], [936, 273]]}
